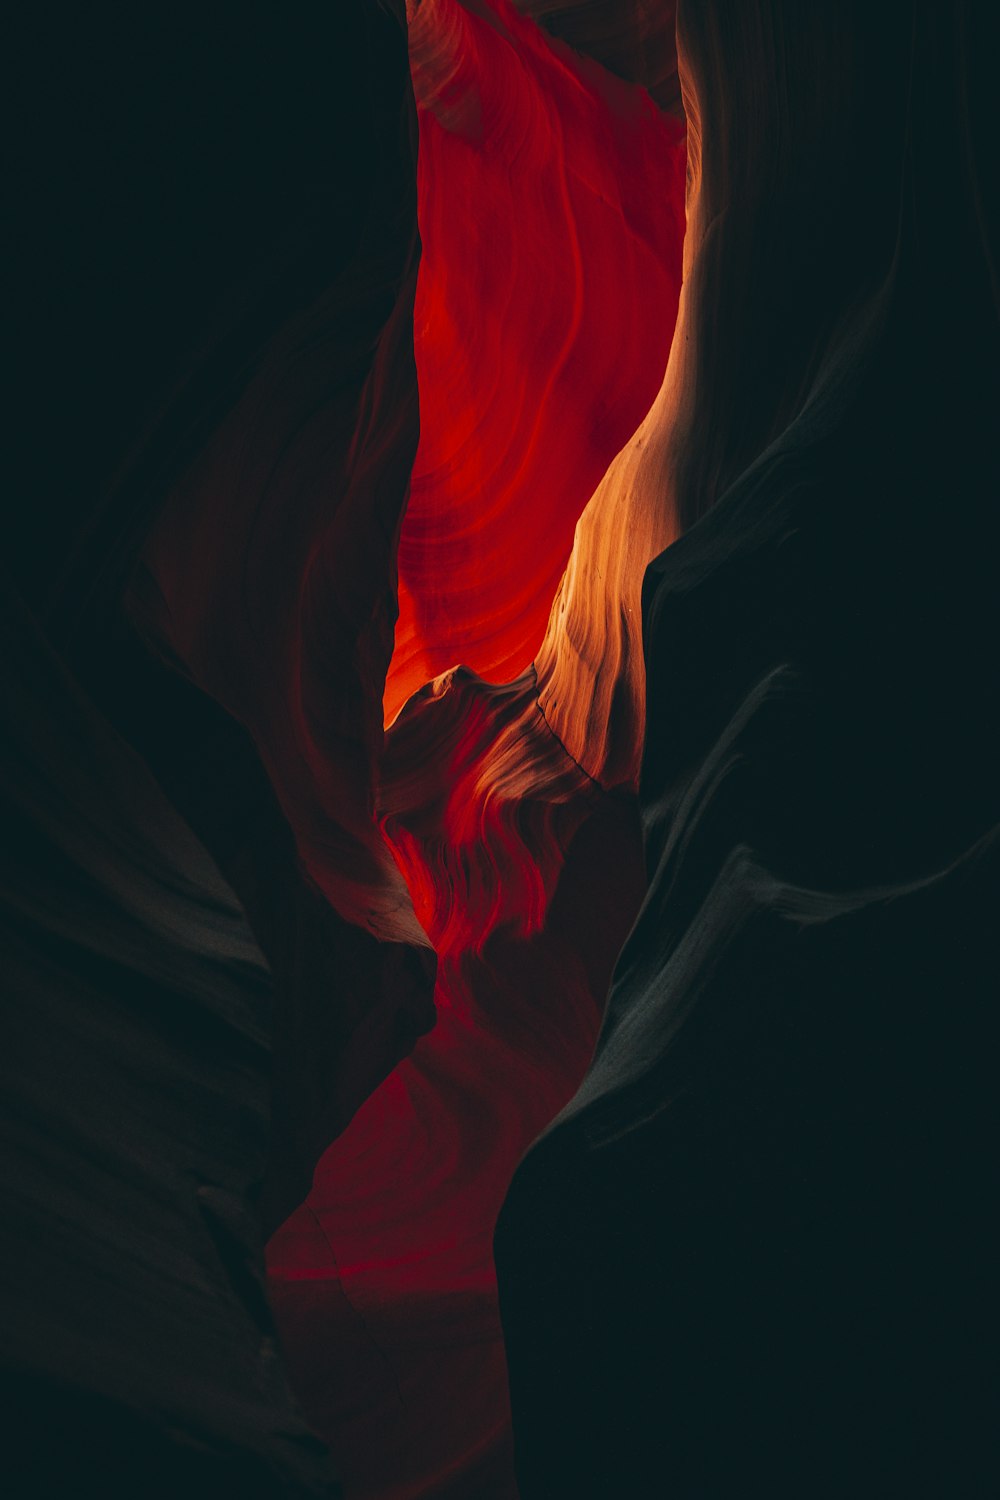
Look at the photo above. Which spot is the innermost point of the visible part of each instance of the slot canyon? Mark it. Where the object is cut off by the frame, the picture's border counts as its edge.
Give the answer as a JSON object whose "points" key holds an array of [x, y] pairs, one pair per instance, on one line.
{"points": [[501, 727]]}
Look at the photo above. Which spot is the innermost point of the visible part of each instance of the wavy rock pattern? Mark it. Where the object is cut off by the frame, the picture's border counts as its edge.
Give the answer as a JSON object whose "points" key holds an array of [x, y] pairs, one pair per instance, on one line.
{"points": [[181, 1044], [749, 1251], [267, 579], [389, 1261], [767, 1193], [591, 676], [271, 567], [548, 203], [139, 1348], [503, 834]]}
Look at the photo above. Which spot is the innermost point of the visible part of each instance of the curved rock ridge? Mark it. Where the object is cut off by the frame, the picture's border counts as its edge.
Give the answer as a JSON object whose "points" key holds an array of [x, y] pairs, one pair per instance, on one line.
{"points": [[717, 1060], [186, 1013], [270, 575], [260, 524], [136, 1109], [500, 781], [549, 197], [549, 201], [506, 845], [590, 667], [524, 870], [758, 1240]]}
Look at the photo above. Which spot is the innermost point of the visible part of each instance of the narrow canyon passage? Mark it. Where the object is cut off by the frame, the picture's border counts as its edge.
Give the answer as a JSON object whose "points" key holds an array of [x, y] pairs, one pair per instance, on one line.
{"points": [[499, 652], [550, 210]]}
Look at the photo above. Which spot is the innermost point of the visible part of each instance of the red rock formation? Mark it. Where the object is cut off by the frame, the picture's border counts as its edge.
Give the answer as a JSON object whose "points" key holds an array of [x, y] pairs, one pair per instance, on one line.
{"points": [[548, 205], [550, 209], [505, 807], [749, 1253]]}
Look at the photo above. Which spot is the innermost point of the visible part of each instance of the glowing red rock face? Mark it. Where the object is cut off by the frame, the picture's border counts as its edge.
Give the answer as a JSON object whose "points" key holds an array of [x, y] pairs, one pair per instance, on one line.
{"points": [[551, 216], [546, 295]]}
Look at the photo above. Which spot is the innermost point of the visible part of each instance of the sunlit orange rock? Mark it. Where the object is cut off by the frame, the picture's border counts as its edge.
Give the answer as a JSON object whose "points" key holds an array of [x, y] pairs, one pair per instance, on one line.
{"points": [[551, 203], [548, 199]]}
